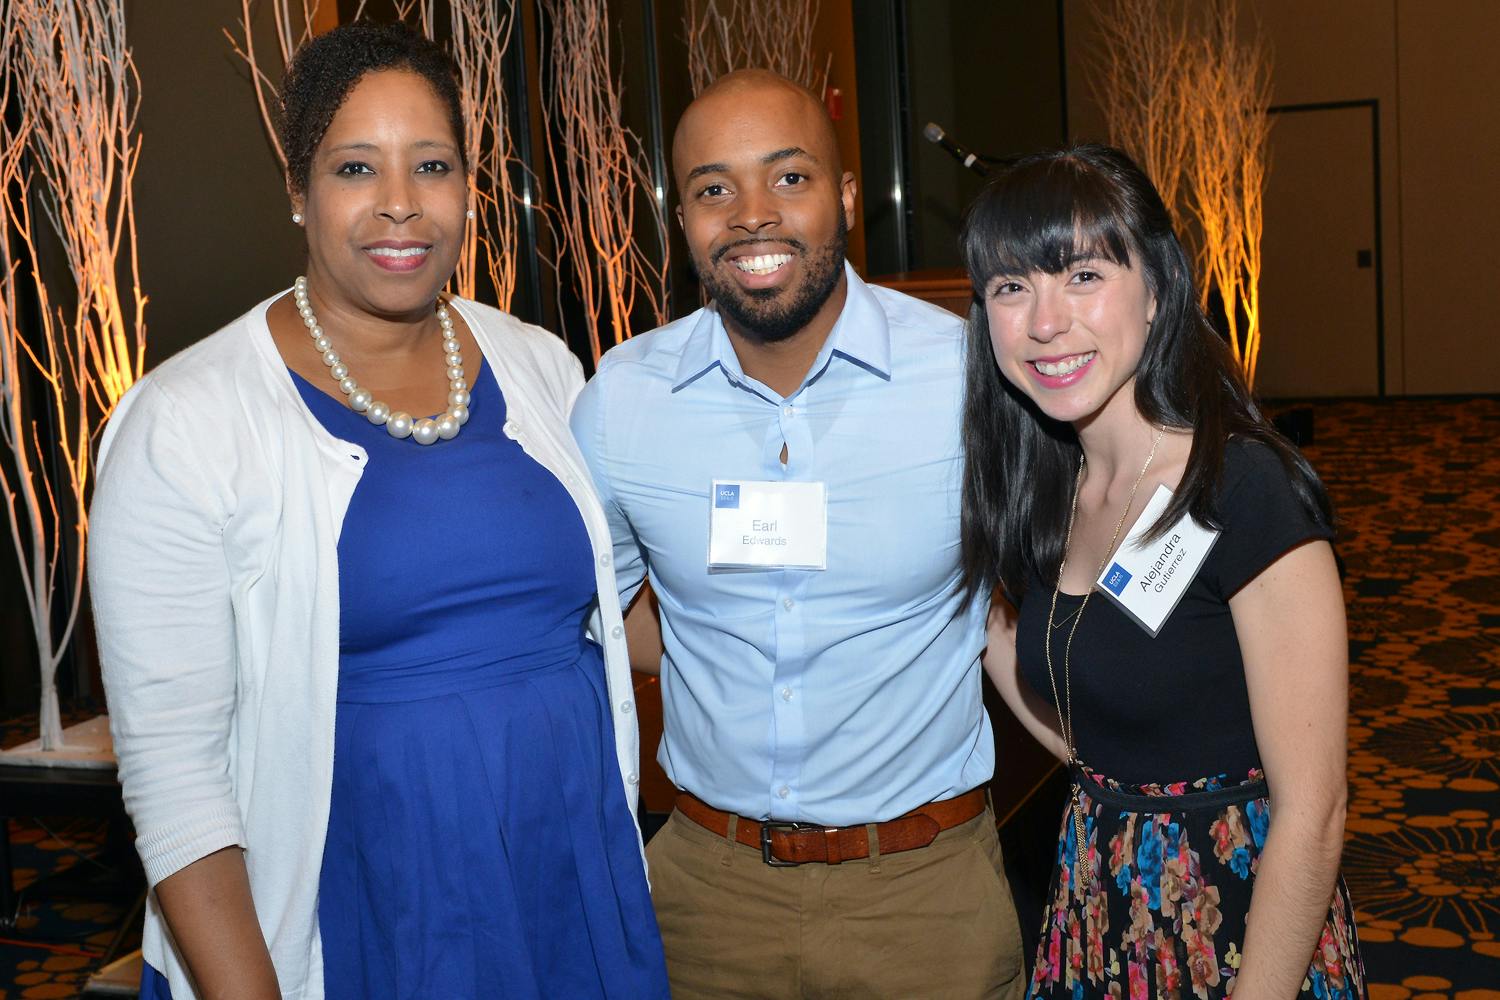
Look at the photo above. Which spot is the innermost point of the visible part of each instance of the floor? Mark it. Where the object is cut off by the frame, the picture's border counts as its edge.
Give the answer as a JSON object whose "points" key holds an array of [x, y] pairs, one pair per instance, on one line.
{"points": [[1417, 486]]}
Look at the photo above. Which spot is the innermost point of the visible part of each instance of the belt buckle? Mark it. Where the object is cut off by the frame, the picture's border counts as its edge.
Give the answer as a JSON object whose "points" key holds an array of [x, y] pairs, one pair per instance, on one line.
{"points": [[766, 829]]}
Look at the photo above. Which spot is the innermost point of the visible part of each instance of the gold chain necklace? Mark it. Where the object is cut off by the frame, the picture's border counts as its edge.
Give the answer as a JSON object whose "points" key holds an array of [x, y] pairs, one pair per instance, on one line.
{"points": [[1065, 715]]}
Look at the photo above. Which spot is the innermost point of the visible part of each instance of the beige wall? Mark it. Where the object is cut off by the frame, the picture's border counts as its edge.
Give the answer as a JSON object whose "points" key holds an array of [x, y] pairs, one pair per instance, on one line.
{"points": [[1449, 160], [1430, 65]]}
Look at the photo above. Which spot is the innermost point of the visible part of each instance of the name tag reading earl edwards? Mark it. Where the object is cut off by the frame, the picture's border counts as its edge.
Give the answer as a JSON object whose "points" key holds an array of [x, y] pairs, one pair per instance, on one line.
{"points": [[767, 525], [1147, 579]]}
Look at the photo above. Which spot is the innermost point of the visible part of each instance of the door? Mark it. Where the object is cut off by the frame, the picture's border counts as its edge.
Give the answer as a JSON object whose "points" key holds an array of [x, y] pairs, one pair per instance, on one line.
{"points": [[1319, 314]]}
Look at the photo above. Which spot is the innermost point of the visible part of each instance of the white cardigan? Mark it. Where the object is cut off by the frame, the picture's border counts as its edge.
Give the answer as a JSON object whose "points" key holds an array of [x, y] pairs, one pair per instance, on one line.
{"points": [[213, 569]]}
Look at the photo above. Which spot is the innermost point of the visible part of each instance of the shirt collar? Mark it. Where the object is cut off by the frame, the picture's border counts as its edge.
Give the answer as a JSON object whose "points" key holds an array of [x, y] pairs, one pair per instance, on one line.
{"points": [[860, 334]]}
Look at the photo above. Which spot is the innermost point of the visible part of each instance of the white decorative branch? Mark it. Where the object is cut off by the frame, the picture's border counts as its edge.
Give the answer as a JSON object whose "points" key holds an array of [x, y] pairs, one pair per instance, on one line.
{"points": [[1140, 84], [70, 152], [600, 176], [291, 29], [479, 35], [1187, 96], [1227, 91], [726, 35]]}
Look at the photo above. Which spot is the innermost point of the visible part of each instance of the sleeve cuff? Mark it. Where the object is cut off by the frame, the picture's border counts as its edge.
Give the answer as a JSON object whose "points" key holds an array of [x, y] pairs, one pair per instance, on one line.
{"points": [[168, 851]]}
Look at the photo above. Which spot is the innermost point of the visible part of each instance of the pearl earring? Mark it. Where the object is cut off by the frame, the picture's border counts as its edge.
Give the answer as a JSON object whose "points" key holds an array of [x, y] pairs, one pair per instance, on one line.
{"points": [[469, 214], [297, 218]]}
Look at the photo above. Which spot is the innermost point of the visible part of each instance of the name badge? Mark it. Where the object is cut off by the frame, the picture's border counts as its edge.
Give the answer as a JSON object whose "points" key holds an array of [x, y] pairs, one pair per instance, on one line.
{"points": [[767, 525], [1148, 579]]}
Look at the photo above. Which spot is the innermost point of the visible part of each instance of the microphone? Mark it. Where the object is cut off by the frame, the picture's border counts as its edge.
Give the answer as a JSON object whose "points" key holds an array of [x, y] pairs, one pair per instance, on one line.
{"points": [[934, 134]]}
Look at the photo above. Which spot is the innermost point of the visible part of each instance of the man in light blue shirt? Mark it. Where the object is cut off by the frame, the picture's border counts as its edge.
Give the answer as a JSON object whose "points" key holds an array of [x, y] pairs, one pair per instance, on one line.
{"points": [[846, 699]]}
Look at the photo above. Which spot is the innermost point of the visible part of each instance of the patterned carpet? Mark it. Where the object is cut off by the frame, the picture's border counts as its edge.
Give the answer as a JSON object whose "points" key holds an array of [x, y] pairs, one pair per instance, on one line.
{"points": [[1417, 485], [59, 937], [58, 942]]}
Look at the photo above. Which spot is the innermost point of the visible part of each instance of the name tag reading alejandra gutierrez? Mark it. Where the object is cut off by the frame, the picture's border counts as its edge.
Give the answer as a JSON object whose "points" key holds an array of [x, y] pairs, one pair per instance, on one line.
{"points": [[767, 525], [1148, 579]]}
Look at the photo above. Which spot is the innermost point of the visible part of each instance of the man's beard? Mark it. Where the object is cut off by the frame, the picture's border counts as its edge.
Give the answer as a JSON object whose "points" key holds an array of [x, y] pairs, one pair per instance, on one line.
{"points": [[770, 315]]}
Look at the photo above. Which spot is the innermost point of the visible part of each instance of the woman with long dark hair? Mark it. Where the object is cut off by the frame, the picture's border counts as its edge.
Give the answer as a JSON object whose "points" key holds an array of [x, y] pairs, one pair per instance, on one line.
{"points": [[1112, 446]]}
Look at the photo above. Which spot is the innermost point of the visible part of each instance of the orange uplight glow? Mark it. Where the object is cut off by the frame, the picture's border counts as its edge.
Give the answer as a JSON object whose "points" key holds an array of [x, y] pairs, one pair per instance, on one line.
{"points": [[1187, 96], [68, 156], [599, 169]]}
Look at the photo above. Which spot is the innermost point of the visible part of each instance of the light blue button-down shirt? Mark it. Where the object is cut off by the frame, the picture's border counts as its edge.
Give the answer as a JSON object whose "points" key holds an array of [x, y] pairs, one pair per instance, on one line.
{"points": [[842, 696]]}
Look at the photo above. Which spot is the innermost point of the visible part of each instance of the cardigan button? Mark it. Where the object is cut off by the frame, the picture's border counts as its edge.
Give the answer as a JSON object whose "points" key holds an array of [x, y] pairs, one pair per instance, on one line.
{"points": [[512, 429], [617, 631], [633, 778], [625, 707], [604, 560]]}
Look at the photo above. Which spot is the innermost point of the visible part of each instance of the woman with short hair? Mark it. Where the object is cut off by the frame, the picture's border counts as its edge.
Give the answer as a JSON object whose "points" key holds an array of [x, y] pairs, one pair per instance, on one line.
{"points": [[367, 746]]}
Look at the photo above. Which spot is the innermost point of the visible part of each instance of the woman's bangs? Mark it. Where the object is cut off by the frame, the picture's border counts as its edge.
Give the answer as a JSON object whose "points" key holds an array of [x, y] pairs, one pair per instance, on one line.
{"points": [[1043, 217]]}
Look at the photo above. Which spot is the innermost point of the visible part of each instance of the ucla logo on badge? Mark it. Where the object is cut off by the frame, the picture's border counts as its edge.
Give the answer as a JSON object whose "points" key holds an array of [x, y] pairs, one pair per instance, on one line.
{"points": [[727, 495], [1117, 579]]}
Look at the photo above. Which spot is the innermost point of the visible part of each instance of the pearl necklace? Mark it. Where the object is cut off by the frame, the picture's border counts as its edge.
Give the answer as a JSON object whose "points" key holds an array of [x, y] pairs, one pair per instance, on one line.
{"points": [[399, 424]]}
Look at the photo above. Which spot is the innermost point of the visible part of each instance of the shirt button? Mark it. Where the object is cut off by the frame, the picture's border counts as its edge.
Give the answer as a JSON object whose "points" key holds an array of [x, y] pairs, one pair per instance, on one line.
{"points": [[625, 707], [786, 694], [617, 631], [604, 560], [788, 603], [789, 410], [783, 792]]}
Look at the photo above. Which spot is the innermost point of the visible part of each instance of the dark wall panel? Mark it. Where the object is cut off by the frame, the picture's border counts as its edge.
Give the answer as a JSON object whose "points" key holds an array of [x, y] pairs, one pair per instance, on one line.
{"points": [[215, 232], [987, 71]]}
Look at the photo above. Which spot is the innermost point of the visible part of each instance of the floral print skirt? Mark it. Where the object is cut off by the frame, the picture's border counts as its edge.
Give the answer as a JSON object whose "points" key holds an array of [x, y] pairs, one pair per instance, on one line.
{"points": [[1162, 914]]}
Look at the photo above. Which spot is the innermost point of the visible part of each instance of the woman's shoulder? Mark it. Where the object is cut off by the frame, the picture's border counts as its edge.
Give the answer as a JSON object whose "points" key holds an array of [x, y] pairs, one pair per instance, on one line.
{"points": [[206, 375], [1244, 454], [1262, 511], [509, 331], [517, 345], [1252, 467]]}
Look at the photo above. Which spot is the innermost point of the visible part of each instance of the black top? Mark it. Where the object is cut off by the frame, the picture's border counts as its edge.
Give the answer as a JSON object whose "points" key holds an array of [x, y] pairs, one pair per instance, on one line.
{"points": [[1173, 708]]}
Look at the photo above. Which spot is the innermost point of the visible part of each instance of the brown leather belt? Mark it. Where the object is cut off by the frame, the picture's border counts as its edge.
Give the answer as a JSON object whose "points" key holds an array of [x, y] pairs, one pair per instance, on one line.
{"points": [[785, 845]]}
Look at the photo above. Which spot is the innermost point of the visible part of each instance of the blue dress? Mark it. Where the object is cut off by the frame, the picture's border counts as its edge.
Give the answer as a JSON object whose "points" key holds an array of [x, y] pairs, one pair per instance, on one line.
{"points": [[479, 842]]}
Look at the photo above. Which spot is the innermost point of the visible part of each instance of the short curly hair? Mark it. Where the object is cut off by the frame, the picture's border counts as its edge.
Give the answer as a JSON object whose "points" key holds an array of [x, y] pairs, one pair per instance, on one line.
{"points": [[324, 70]]}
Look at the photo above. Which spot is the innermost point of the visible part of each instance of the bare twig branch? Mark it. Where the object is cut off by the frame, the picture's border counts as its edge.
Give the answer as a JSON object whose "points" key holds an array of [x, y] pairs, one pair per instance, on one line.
{"points": [[1185, 96], [480, 35], [1230, 81], [599, 173], [71, 149], [1140, 83], [726, 35]]}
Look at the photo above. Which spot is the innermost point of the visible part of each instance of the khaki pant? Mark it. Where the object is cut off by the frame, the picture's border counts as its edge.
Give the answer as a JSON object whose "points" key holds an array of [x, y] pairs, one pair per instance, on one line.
{"points": [[936, 923]]}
